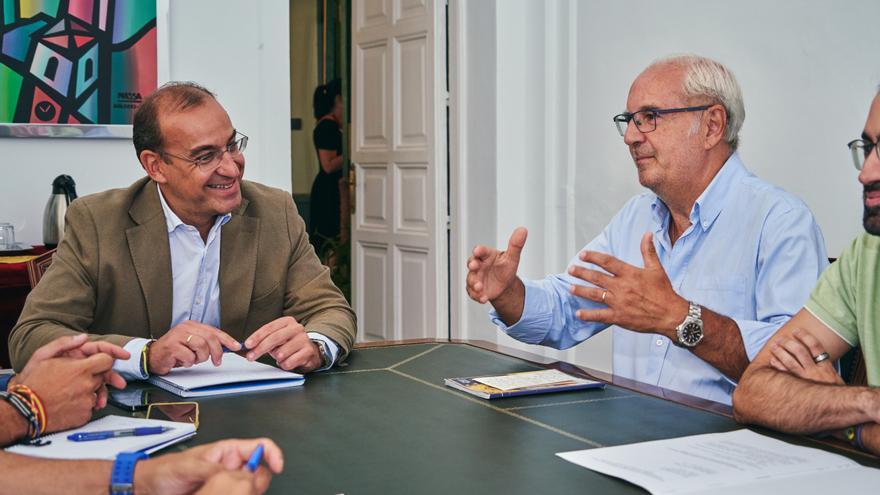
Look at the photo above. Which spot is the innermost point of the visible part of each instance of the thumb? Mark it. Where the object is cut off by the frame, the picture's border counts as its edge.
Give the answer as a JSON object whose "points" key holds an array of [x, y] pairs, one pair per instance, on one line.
{"points": [[649, 253], [516, 243], [59, 346]]}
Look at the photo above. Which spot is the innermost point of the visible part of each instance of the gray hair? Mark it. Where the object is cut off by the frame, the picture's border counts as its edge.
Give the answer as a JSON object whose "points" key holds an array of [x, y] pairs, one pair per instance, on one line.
{"points": [[707, 78]]}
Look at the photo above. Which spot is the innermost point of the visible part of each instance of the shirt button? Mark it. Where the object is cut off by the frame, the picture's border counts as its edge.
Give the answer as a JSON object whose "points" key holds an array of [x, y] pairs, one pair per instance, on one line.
{"points": [[659, 342]]}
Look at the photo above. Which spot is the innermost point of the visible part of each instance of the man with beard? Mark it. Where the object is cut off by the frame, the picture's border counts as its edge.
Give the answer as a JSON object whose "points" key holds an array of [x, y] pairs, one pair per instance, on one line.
{"points": [[792, 386], [695, 275]]}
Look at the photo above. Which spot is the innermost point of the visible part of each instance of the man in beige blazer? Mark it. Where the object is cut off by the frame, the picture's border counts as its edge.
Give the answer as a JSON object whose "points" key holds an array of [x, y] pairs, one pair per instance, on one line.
{"points": [[188, 259]]}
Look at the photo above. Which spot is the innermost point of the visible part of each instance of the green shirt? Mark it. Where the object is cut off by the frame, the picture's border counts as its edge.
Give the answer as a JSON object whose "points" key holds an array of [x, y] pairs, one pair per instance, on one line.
{"points": [[847, 300]]}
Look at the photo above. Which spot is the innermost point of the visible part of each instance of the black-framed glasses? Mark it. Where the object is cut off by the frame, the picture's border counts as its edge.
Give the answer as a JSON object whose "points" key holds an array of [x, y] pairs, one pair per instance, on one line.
{"points": [[208, 161], [646, 120], [860, 149]]}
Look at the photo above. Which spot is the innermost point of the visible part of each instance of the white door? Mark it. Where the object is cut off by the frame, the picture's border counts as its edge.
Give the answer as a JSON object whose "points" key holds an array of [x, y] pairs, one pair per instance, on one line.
{"points": [[399, 243]]}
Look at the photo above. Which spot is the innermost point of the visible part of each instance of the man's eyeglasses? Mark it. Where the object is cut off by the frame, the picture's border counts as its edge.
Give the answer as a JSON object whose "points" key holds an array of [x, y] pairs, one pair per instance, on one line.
{"points": [[646, 120], [209, 160], [860, 149]]}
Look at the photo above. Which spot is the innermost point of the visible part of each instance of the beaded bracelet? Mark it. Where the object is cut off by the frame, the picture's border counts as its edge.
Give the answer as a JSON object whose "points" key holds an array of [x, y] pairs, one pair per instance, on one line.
{"points": [[36, 405], [24, 409]]}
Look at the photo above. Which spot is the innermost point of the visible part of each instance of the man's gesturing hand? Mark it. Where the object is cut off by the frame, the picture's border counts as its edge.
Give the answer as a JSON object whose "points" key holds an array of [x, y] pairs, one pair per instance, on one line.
{"points": [[187, 344], [492, 272], [639, 299]]}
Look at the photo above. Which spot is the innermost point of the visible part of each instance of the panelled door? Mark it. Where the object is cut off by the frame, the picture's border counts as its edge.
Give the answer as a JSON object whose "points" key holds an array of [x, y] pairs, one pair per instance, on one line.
{"points": [[399, 228]]}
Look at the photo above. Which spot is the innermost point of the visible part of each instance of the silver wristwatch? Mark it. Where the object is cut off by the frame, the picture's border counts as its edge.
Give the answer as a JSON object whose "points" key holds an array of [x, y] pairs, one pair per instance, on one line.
{"points": [[690, 331], [326, 360]]}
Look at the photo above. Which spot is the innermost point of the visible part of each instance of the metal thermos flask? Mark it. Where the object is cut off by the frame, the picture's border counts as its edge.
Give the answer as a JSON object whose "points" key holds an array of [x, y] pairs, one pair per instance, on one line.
{"points": [[63, 192]]}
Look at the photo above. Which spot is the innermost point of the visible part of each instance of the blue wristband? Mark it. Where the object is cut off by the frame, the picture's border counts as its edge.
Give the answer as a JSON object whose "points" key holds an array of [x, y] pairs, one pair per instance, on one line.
{"points": [[4, 381], [122, 479]]}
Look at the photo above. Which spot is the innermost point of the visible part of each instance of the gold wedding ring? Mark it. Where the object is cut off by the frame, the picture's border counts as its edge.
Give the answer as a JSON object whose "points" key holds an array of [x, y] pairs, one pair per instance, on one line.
{"points": [[189, 338], [604, 293]]}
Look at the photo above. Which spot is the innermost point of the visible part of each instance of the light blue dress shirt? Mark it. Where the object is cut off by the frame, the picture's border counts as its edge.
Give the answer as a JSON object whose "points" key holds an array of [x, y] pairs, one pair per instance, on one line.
{"points": [[195, 274], [752, 253]]}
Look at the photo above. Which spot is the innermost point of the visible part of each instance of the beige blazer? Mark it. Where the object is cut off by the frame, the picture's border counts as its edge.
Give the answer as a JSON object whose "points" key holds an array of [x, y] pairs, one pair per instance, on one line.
{"points": [[111, 274]]}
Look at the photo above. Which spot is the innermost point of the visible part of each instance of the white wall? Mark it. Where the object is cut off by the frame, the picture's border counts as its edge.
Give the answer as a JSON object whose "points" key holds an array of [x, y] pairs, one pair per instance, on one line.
{"points": [[240, 52], [557, 71]]}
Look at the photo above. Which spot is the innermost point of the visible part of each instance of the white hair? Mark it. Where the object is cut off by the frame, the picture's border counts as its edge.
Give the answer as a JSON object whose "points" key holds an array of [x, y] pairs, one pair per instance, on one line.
{"points": [[707, 78]]}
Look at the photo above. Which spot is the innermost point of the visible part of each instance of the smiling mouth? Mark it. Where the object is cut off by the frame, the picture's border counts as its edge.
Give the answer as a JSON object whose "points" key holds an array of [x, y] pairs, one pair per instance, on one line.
{"points": [[220, 186]]}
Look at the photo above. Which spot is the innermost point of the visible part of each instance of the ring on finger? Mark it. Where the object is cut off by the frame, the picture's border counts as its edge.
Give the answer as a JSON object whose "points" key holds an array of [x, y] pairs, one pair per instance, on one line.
{"points": [[604, 293], [189, 338], [821, 357]]}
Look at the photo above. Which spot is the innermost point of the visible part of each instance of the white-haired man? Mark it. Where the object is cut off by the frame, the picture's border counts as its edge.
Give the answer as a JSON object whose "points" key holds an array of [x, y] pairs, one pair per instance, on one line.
{"points": [[694, 276]]}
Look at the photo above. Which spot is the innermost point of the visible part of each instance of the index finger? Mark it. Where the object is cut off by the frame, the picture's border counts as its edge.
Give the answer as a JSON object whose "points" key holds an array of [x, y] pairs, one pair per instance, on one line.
{"points": [[207, 331], [607, 262], [59, 346], [98, 364], [234, 453], [261, 333], [482, 252], [96, 346]]}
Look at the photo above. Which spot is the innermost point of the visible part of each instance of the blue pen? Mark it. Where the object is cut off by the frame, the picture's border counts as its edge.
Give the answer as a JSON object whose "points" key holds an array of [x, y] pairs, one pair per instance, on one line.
{"points": [[254, 461], [103, 435], [240, 349]]}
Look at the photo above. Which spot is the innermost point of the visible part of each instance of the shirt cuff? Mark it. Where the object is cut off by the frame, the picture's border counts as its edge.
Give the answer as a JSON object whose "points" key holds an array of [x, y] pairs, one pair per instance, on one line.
{"points": [[130, 368], [332, 348]]}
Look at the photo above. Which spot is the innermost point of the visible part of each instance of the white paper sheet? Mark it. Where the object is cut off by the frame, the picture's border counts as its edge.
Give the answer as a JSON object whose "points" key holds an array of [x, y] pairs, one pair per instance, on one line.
{"points": [[62, 448], [232, 369], [526, 379], [740, 461]]}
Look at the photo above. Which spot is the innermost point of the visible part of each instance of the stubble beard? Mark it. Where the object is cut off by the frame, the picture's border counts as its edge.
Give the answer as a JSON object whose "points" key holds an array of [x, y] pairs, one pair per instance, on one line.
{"points": [[871, 217]]}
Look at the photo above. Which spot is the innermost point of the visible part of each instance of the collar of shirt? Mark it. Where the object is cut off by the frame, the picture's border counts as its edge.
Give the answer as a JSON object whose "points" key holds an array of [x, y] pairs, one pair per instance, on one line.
{"points": [[709, 204], [172, 221]]}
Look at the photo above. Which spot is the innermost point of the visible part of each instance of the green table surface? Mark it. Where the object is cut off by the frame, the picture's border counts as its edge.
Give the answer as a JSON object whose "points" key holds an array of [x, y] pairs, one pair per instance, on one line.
{"points": [[386, 424]]}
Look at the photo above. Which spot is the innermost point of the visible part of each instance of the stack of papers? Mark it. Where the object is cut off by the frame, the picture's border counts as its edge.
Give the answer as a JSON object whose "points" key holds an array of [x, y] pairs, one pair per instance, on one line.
{"points": [[235, 375], [62, 448]]}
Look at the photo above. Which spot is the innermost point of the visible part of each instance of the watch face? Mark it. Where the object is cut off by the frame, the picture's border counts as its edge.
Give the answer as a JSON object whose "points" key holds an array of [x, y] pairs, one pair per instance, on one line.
{"points": [[691, 333]]}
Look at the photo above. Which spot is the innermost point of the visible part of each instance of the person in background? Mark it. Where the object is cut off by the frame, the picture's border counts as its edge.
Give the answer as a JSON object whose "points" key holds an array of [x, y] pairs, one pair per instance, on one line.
{"points": [[62, 383], [324, 209], [693, 276], [792, 385]]}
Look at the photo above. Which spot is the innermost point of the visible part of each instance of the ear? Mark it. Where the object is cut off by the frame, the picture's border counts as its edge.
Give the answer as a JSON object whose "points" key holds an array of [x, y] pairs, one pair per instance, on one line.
{"points": [[152, 163], [716, 124]]}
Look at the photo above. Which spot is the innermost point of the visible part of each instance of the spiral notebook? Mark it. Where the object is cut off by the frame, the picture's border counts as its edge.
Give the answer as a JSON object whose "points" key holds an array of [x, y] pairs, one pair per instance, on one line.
{"points": [[235, 375], [59, 447]]}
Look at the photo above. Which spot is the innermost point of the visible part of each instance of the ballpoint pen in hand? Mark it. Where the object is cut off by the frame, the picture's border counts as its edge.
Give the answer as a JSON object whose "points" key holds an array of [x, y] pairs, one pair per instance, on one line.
{"points": [[255, 458], [129, 432]]}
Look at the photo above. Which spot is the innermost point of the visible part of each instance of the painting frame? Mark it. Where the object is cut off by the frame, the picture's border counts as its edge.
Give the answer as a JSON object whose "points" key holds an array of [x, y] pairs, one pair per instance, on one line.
{"points": [[101, 131]]}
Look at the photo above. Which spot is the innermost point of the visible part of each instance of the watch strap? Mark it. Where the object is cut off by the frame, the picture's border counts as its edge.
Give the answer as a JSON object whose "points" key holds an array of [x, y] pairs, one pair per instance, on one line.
{"points": [[122, 478], [326, 360], [695, 313]]}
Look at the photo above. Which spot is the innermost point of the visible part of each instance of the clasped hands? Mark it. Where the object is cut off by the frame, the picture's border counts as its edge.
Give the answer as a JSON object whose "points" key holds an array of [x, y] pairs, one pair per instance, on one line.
{"points": [[192, 342], [638, 299], [69, 375], [797, 355]]}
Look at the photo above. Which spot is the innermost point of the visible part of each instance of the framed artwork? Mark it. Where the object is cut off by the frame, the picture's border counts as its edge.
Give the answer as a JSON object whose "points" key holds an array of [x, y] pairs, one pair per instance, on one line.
{"points": [[78, 68]]}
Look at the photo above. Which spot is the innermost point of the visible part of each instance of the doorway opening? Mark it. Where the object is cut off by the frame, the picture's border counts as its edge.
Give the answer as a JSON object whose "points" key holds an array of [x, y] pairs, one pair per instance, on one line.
{"points": [[320, 56]]}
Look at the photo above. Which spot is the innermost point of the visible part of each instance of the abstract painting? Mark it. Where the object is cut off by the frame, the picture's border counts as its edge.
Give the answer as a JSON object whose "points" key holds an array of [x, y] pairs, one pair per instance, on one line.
{"points": [[76, 61]]}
